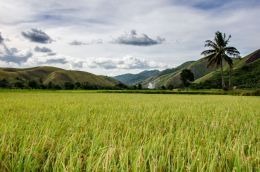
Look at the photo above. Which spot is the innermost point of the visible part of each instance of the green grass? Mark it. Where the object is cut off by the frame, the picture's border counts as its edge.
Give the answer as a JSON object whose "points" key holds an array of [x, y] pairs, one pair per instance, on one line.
{"points": [[78, 131]]}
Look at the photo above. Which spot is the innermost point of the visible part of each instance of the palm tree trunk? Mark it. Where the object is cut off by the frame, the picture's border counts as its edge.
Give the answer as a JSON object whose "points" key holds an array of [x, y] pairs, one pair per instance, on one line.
{"points": [[222, 76], [230, 73]]}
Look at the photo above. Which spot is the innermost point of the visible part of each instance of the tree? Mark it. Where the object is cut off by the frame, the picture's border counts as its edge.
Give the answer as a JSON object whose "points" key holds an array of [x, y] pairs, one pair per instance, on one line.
{"points": [[121, 86], [139, 86], [134, 87], [33, 84], [19, 84], [230, 73], [50, 85], [85, 85], [77, 85], [4, 83], [57, 87], [187, 77], [170, 87], [219, 53], [163, 87], [68, 86]]}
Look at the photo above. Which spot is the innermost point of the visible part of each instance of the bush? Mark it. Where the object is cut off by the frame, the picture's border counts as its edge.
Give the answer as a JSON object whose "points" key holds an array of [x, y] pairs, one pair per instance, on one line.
{"points": [[19, 84], [68, 86], [33, 84], [4, 83]]}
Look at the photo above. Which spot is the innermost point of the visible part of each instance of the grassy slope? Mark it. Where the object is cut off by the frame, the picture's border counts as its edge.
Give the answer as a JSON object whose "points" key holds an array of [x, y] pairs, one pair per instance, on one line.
{"points": [[132, 79], [246, 72], [199, 68], [164, 76], [55, 75]]}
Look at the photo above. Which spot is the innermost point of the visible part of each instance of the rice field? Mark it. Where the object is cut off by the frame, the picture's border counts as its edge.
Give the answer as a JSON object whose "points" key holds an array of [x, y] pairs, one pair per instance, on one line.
{"points": [[81, 131]]}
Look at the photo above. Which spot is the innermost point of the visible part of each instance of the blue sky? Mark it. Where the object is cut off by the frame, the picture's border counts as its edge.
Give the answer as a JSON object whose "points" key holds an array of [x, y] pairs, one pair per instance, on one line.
{"points": [[119, 36]]}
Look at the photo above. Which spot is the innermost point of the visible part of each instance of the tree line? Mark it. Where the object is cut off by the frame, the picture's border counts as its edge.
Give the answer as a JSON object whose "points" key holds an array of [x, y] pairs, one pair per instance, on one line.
{"points": [[33, 84]]}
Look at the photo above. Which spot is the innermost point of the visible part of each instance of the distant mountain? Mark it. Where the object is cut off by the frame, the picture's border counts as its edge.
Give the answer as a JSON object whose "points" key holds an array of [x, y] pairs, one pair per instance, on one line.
{"points": [[132, 79], [45, 75], [245, 73]]}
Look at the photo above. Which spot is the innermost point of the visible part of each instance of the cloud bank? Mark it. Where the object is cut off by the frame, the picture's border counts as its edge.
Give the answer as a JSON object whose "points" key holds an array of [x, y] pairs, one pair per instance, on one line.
{"points": [[127, 62]]}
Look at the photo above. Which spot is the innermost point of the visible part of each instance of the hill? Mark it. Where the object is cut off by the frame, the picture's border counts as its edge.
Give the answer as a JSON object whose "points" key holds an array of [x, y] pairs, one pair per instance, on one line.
{"points": [[45, 75], [133, 79], [245, 74], [170, 78]]}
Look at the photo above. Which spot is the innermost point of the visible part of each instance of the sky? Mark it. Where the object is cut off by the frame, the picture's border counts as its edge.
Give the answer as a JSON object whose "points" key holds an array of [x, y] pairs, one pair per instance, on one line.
{"points": [[112, 37]]}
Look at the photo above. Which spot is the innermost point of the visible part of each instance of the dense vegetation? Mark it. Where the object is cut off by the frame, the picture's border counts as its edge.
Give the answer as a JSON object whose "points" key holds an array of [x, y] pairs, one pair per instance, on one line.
{"points": [[72, 131], [33, 84]]}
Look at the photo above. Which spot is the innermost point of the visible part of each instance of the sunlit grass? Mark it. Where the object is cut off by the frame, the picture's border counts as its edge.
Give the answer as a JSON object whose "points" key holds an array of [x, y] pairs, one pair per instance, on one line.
{"points": [[128, 132]]}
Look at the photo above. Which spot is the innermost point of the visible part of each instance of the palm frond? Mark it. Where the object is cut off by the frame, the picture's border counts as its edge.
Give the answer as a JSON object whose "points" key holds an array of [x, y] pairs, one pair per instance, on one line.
{"points": [[228, 60], [219, 51], [219, 59], [211, 44], [211, 59], [232, 51], [208, 52], [219, 39], [227, 40]]}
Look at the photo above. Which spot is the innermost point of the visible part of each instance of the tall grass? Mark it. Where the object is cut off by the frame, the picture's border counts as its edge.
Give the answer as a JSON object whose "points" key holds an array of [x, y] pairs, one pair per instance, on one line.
{"points": [[128, 132]]}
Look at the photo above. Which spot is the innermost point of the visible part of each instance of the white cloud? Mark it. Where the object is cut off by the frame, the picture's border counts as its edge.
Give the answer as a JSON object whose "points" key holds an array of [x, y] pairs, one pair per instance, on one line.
{"points": [[132, 38], [128, 62], [184, 24]]}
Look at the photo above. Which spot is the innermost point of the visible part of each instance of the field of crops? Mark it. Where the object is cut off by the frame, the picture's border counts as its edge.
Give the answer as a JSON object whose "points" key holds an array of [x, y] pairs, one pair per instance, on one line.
{"points": [[73, 131]]}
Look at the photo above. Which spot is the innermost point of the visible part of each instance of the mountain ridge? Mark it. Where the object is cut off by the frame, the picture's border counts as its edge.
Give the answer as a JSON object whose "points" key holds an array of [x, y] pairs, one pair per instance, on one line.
{"points": [[133, 79]]}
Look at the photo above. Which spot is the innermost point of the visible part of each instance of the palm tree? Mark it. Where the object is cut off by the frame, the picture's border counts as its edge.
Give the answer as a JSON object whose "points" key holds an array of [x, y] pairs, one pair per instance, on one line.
{"points": [[219, 53], [229, 78]]}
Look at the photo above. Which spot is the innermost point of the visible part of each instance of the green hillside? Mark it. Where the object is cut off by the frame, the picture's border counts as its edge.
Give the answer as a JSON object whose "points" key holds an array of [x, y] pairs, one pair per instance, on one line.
{"points": [[245, 74], [45, 75], [171, 77], [133, 79]]}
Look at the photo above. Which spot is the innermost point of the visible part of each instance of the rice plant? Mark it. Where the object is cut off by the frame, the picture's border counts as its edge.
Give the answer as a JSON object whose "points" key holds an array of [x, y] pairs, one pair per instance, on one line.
{"points": [[77, 131]]}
